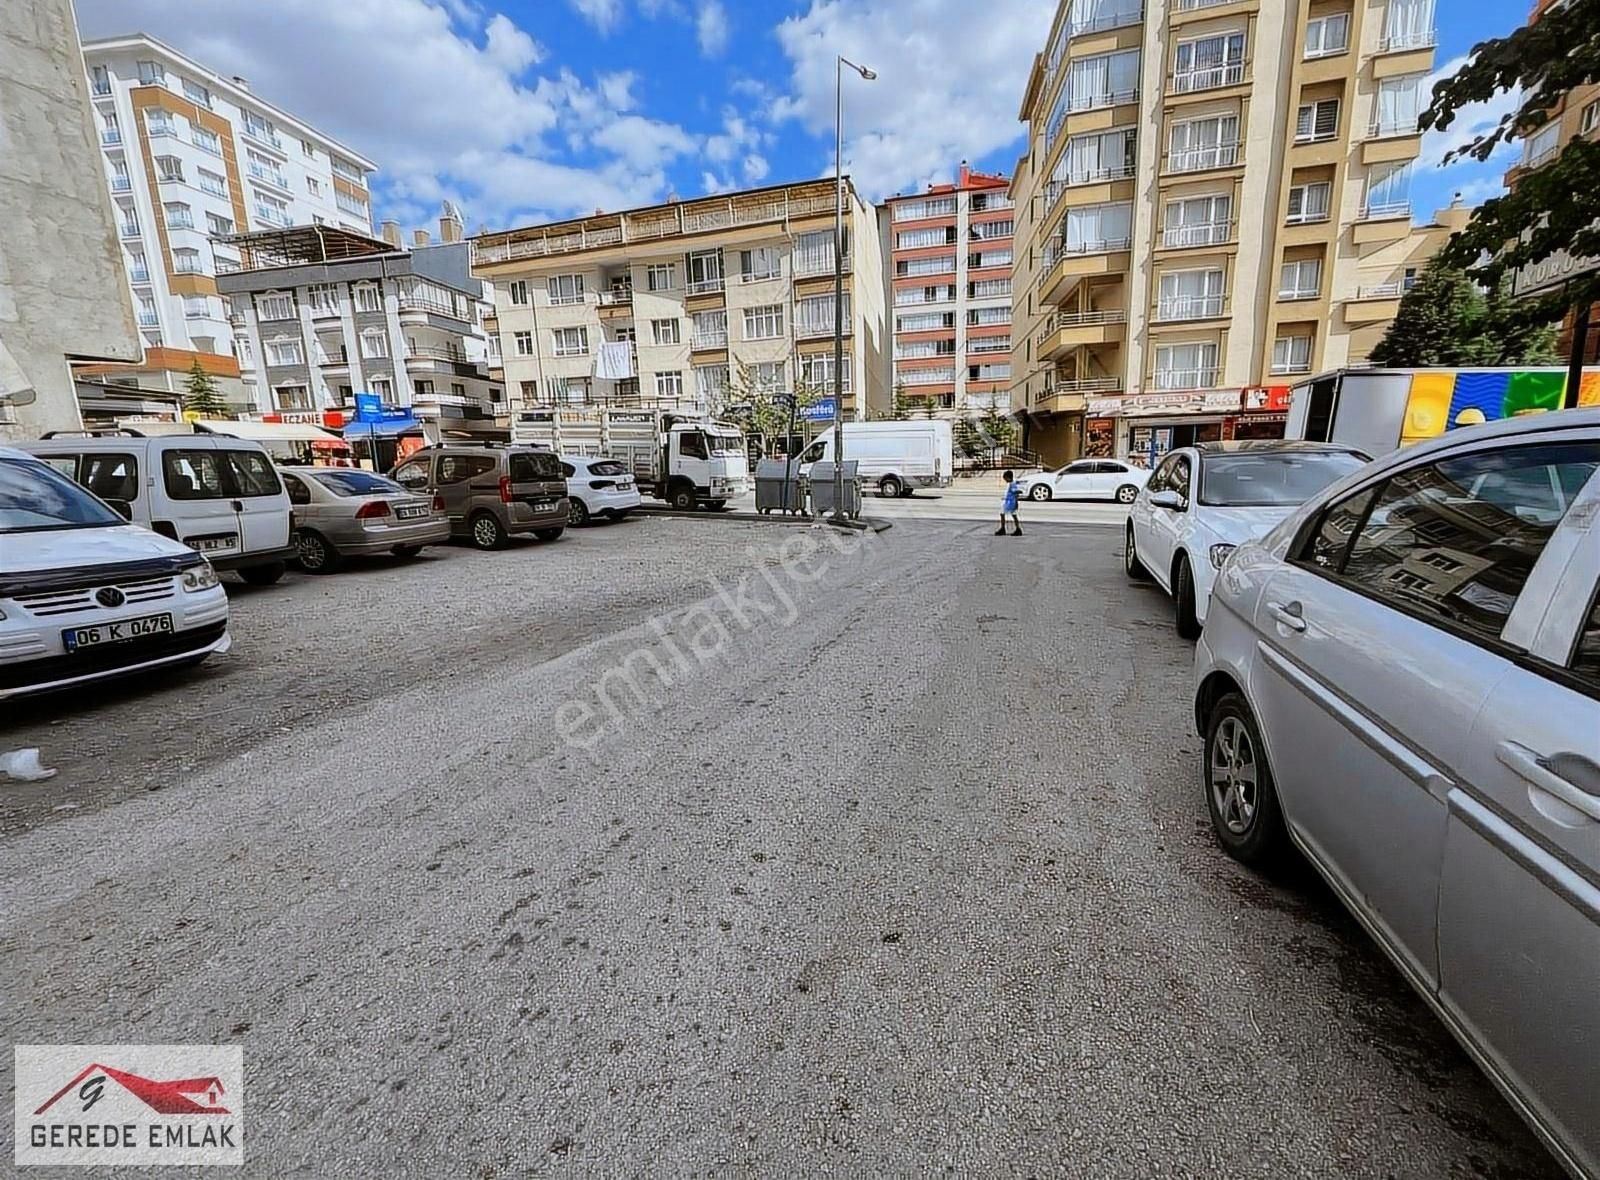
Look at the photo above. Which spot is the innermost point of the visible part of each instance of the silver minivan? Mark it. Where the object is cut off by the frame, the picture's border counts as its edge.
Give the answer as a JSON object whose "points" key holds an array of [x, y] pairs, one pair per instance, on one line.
{"points": [[1403, 680]]}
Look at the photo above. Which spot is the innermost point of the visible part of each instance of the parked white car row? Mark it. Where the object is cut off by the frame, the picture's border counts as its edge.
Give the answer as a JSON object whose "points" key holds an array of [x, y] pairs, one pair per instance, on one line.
{"points": [[1398, 674]]}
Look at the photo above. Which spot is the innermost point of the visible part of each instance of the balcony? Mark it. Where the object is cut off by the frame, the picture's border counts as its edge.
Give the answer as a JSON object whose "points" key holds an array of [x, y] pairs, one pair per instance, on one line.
{"points": [[139, 274], [1067, 330], [1191, 5], [615, 298], [1221, 155], [1063, 264], [149, 319], [262, 136], [111, 137], [101, 89], [188, 266], [1183, 308], [1178, 379], [704, 287], [1205, 233], [269, 176], [1375, 304], [706, 341], [805, 268], [1406, 41], [121, 184], [1207, 77], [1102, 24], [421, 305], [128, 230], [183, 221], [809, 331]]}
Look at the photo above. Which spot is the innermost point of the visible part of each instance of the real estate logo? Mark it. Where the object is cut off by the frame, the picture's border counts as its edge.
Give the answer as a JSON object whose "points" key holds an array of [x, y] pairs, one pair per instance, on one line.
{"points": [[137, 1105]]}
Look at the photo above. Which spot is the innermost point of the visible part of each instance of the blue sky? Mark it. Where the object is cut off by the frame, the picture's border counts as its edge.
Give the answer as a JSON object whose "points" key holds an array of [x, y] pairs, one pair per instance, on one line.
{"points": [[525, 110]]}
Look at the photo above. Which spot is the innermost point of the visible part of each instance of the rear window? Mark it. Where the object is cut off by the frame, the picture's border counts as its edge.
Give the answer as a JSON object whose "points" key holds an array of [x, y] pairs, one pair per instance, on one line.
{"points": [[528, 466], [193, 475], [607, 467], [357, 483]]}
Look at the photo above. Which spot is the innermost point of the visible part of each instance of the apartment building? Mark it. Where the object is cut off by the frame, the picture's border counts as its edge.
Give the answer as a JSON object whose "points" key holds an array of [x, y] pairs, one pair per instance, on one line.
{"points": [[191, 156], [319, 314], [690, 305], [1215, 199], [949, 265]]}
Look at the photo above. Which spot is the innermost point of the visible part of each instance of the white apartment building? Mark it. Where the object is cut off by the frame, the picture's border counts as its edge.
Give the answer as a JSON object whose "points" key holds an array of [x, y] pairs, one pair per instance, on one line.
{"points": [[674, 306], [191, 155]]}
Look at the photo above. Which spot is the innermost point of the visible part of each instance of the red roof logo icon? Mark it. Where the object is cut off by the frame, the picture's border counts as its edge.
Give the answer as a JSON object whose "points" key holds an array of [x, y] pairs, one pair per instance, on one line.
{"points": [[181, 1096]]}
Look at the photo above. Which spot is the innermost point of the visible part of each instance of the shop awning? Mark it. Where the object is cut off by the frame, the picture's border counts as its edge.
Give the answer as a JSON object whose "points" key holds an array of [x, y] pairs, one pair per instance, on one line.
{"points": [[268, 431], [390, 428]]}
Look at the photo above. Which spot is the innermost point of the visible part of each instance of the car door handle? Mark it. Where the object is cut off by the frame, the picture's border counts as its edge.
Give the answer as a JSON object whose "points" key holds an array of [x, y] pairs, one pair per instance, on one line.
{"points": [[1571, 778], [237, 506], [1290, 615]]}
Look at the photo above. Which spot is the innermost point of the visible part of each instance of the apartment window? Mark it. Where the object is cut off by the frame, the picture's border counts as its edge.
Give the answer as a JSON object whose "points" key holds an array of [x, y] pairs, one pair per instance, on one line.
{"points": [[816, 370], [1389, 191], [1205, 62], [374, 343], [1400, 101], [669, 386], [925, 321], [1190, 295], [152, 73], [1301, 279], [1327, 35], [308, 149], [564, 289], [666, 331], [709, 328], [147, 312], [138, 267], [944, 293], [767, 377], [1590, 118], [705, 271], [943, 264], [518, 292], [1317, 121], [760, 263], [121, 182], [529, 391], [989, 315], [260, 127], [271, 210], [1291, 354], [1107, 155], [213, 183], [313, 186], [218, 226], [813, 252], [988, 288], [571, 341], [711, 384], [102, 79], [1198, 221], [813, 315], [988, 258], [169, 168], [1204, 143], [195, 307], [197, 93], [917, 239], [187, 262], [277, 306], [355, 206], [424, 388], [204, 139], [284, 350], [1541, 145], [919, 350], [245, 353], [764, 322], [1097, 227], [917, 210], [323, 298], [159, 123], [367, 297], [178, 215], [1408, 24], [1186, 366], [988, 231], [660, 276], [382, 387], [1104, 80], [1309, 202], [524, 343]]}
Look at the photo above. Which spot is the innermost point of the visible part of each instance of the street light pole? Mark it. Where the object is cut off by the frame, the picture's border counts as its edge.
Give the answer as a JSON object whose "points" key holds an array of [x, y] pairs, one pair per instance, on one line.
{"points": [[838, 276]]}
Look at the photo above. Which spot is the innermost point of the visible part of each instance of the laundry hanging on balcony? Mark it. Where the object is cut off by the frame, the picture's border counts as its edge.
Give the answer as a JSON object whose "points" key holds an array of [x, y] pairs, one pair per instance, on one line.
{"points": [[615, 361]]}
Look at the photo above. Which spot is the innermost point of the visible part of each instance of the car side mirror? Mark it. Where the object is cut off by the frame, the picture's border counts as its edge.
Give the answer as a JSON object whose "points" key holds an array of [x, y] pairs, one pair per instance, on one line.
{"points": [[1167, 498], [122, 508]]}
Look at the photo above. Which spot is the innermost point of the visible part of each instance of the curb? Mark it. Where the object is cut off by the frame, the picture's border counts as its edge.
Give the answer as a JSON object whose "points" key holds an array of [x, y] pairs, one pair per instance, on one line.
{"points": [[876, 523]]}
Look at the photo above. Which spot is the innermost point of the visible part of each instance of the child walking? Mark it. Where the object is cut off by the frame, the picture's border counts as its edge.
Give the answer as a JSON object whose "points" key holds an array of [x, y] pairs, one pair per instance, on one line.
{"points": [[1009, 507]]}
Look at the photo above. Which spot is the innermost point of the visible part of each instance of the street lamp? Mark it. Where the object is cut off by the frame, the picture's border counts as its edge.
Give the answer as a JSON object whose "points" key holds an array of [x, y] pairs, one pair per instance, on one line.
{"points": [[838, 276]]}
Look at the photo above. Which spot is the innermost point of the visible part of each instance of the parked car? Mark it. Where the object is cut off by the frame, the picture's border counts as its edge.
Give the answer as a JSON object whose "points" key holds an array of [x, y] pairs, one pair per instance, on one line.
{"points": [[491, 493], [219, 495], [341, 512], [1088, 479], [597, 486], [1205, 500], [84, 595], [1402, 680]]}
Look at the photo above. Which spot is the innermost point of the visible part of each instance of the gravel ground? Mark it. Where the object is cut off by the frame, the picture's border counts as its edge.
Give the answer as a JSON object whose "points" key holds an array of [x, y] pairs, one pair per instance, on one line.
{"points": [[919, 881]]}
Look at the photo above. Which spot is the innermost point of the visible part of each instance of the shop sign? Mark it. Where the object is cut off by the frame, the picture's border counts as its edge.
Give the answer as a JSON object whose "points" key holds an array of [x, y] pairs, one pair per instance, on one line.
{"points": [[1103, 407], [1266, 399]]}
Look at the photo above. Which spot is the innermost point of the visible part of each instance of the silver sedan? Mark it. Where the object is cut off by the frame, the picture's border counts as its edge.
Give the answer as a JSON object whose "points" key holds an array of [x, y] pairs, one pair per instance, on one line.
{"points": [[342, 512]]}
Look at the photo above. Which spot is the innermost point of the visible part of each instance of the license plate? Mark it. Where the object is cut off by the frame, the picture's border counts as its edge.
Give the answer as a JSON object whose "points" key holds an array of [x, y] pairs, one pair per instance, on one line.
{"points": [[546, 505], [78, 638], [412, 512], [213, 543]]}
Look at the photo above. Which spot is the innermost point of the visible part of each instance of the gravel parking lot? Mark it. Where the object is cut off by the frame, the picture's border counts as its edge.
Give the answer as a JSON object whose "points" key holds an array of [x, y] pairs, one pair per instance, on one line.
{"points": [[913, 877]]}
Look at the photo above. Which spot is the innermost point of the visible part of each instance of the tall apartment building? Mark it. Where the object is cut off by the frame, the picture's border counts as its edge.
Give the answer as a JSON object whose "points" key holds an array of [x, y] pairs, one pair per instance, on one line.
{"points": [[1216, 197], [191, 156], [949, 266], [681, 305]]}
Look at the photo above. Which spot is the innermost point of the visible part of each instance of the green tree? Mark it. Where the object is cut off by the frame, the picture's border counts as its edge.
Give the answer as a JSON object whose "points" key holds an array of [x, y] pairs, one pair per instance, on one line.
{"points": [[1446, 319], [968, 439], [999, 432], [902, 404], [201, 396], [764, 409]]}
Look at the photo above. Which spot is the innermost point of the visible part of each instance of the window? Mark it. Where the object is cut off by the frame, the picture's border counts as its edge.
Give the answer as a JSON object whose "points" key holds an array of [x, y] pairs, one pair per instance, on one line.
{"points": [[1291, 354], [1186, 366], [169, 168], [458, 389], [987, 288], [152, 73], [933, 207], [767, 377], [101, 80], [276, 306], [271, 210], [213, 183], [323, 298], [759, 263], [1190, 295], [813, 252], [1408, 24], [1590, 119], [1204, 143], [943, 264], [218, 226], [669, 386], [987, 231], [1389, 191], [1198, 221], [138, 267], [1300, 280], [1317, 121], [666, 331], [660, 276], [1200, 64], [816, 370], [1453, 542], [412, 475], [813, 315], [528, 391], [195, 307], [292, 397], [197, 93], [989, 315], [1586, 655], [989, 258], [565, 289], [1400, 100], [524, 343], [711, 384], [313, 186], [284, 350], [571, 341], [193, 475], [1326, 35], [709, 329], [355, 206], [764, 322], [1087, 159], [916, 239], [1539, 147], [382, 387], [205, 139], [705, 271], [178, 215], [259, 127], [367, 297], [1104, 80], [1096, 227], [1309, 202], [308, 149], [460, 468], [925, 321], [187, 262], [374, 343]]}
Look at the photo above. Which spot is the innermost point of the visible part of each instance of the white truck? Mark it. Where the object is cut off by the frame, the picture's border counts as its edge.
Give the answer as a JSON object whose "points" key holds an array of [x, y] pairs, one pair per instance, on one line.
{"points": [[895, 457], [685, 460]]}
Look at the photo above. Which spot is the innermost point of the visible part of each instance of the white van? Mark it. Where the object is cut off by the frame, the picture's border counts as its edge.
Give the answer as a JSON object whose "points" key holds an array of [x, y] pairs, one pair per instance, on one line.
{"points": [[894, 457], [219, 495], [84, 595]]}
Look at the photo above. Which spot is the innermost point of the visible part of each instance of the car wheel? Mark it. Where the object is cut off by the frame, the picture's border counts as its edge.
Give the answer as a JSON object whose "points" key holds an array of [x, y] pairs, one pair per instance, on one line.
{"points": [[406, 551], [1039, 491], [549, 534], [889, 487], [906, 492], [263, 575], [683, 498], [578, 513], [316, 555], [1127, 494], [1240, 793], [1183, 595], [487, 532], [1131, 565]]}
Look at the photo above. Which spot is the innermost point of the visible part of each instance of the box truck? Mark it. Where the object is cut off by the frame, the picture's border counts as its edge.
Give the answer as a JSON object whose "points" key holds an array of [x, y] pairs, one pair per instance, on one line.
{"points": [[894, 457]]}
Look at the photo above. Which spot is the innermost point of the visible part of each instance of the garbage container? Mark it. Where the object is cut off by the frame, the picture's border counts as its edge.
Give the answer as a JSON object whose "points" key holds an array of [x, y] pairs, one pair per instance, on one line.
{"points": [[774, 492], [821, 478]]}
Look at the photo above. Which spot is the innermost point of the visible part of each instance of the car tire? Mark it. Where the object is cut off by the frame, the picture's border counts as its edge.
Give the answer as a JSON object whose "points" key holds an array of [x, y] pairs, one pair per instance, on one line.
{"points": [[1127, 494], [890, 487], [1041, 492], [682, 498], [263, 575], [1131, 565], [317, 556], [906, 492], [406, 552], [1188, 622], [577, 512], [1241, 795], [549, 534], [486, 532]]}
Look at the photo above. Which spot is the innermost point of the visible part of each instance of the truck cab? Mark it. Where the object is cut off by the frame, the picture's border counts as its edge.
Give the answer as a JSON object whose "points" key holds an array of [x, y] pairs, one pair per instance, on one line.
{"points": [[702, 462]]}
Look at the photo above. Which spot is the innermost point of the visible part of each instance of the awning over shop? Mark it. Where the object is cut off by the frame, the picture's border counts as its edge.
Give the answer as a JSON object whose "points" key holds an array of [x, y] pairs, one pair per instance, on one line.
{"points": [[268, 431], [389, 428]]}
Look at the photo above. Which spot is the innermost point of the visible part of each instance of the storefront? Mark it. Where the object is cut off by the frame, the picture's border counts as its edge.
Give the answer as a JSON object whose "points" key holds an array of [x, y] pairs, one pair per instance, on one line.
{"points": [[1263, 415], [1148, 425]]}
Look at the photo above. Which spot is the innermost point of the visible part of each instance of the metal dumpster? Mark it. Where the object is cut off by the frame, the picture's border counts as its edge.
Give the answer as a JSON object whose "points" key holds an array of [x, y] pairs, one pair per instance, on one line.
{"points": [[774, 492], [821, 479]]}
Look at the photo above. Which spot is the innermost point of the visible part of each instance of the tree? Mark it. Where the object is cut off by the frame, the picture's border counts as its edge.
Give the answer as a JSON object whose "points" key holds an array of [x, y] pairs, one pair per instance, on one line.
{"points": [[764, 408], [968, 440], [998, 431], [902, 404], [201, 397], [1446, 319]]}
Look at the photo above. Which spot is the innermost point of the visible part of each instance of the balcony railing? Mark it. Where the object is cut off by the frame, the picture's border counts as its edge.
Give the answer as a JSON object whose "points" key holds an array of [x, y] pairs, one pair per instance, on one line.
{"points": [[139, 274], [130, 231], [1054, 385], [806, 267], [161, 130], [1207, 77], [269, 175], [149, 319], [111, 136], [1208, 233], [101, 89], [1541, 157], [1384, 128], [616, 297], [1058, 250], [1189, 307], [1291, 366], [701, 340], [1190, 5], [993, 203], [1111, 20], [1380, 210], [1106, 98], [704, 287], [121, 184], [806, 329], [1221, 155], [437, 352], [1079, 319], [188, 266], [1415, 39], [180, 221], [1382, 291], [1184, 378], [433, 306], [988, 344], [262, 135]]}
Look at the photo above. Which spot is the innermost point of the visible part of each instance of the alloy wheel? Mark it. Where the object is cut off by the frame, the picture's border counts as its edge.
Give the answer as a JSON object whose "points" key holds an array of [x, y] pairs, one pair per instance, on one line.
{"points": [[1233, 776]]}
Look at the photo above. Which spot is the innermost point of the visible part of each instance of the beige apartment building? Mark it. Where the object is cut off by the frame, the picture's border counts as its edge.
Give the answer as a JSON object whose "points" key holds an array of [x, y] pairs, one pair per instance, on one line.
{"points": [[689, 305], [1215, 200]]}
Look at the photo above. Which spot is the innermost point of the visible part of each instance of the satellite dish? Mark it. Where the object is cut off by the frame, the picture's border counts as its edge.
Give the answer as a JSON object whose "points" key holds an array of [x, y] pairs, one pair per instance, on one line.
{"points": [[450, 209]]}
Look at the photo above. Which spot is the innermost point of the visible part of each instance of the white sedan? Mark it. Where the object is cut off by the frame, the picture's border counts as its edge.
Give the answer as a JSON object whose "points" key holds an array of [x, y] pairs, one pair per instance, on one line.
{"points": [[1204, 501], [597, 486], [1088, 479]]}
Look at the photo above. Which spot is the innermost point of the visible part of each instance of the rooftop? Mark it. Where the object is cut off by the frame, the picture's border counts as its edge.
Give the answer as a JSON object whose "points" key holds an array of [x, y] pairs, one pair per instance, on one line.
{"points": [[303, 245]]}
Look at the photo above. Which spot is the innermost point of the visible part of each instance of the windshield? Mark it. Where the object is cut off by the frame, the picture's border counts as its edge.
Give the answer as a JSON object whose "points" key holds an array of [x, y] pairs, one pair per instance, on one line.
{"points": [[34, 497], [725, 444], [357, 483], [1258, 481]]}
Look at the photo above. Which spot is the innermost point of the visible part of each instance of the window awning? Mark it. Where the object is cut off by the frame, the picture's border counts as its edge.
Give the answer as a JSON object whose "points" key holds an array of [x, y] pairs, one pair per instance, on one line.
{"points": [[268, 431]]}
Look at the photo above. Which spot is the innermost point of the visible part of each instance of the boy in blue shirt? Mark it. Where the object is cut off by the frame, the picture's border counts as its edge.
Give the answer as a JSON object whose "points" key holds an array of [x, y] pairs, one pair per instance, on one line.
{"points": [[1013, 492]]}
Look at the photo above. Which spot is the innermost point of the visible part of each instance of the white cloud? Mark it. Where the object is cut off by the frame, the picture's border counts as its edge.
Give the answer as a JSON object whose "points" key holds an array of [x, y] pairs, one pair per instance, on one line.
{"points": [[711, 27], [604, 15], [509, 47], [755, 168], [617, 89], [1470, 121], [714, 184], [1476, 192], [737, 134], [644, 143]]}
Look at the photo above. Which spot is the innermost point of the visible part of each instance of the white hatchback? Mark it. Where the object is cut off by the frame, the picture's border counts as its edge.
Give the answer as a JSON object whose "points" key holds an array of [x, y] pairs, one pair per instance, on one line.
{"points": [[1088, 479], [598, 486]]}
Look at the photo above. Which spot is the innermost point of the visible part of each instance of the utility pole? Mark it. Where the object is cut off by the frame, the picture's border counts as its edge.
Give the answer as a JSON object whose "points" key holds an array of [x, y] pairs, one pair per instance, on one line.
{"points": [[838, 277]]}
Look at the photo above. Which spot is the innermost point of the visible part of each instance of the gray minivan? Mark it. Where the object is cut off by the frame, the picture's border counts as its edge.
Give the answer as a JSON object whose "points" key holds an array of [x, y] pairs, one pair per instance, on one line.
{"points": [[491, 492]]}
